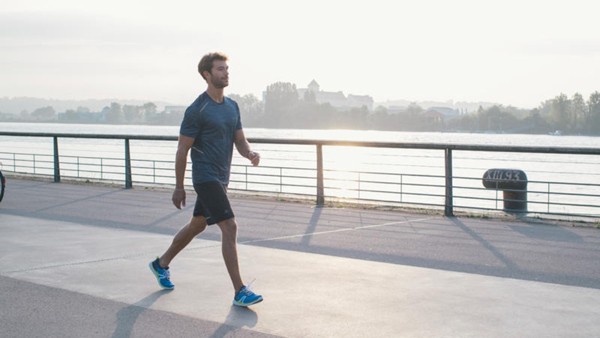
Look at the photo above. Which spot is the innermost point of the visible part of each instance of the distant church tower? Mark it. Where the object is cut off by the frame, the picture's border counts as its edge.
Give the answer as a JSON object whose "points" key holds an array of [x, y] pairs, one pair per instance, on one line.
{"points": [[313, 86]]}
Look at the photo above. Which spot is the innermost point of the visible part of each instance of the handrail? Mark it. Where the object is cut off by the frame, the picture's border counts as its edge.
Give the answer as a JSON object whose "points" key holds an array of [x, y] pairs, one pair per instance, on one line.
{"points": [[98, 136], [370, 144], [436, 146]]}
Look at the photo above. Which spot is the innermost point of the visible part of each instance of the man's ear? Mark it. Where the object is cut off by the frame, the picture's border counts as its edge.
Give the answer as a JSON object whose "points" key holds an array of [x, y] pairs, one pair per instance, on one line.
{"points": [[205, 74]]}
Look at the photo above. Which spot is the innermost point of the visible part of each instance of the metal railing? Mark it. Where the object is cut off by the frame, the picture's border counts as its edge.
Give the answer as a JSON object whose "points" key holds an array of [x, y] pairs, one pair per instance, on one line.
{"points": [[429, 185]]}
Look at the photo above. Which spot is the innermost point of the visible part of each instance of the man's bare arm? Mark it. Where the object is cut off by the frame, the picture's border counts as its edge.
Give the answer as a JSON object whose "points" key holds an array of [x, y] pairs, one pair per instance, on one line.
{"points": [[183, 147], [243, 147]]}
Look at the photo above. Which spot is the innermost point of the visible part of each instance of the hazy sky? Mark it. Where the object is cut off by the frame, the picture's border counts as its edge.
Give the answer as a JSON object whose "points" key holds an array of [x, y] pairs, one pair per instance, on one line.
{"points": [[514, 52]]}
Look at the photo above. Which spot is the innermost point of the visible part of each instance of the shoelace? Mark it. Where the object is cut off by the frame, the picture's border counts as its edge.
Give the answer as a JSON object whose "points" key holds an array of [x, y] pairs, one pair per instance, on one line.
{"points": [[247, 289], [167, 274]]}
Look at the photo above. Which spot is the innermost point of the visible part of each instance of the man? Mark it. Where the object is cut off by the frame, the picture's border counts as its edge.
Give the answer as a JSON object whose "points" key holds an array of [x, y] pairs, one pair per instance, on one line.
{"points": [[210, 128]]}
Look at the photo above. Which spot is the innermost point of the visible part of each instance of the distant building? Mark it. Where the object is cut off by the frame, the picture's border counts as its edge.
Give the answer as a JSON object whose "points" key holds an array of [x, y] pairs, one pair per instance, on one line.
{"points": [[396, 109], [336, 99], [174, 109], [441, 114]]}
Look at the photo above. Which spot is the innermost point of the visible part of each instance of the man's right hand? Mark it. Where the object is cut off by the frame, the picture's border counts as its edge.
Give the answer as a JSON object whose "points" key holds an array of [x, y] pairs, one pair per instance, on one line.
{"points": [[178, 198]]}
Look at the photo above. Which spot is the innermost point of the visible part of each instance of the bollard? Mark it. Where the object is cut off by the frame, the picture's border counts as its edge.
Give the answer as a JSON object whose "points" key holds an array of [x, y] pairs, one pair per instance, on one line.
{"points": [[513, 183]]}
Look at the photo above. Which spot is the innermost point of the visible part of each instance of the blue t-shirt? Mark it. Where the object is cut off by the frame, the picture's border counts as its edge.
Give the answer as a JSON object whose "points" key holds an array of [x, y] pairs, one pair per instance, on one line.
{"points": [[213, 126]]}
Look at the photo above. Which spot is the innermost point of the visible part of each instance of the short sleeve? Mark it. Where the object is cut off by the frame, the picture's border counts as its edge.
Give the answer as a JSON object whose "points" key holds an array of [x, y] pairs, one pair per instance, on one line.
{"points": [[188, 124]]}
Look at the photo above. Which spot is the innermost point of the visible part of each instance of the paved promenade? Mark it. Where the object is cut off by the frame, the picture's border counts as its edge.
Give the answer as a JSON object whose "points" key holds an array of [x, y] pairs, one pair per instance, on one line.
{"points": [[73, 263]]}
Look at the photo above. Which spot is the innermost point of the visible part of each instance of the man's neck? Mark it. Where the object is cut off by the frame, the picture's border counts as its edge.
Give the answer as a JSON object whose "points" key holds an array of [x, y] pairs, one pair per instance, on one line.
{"points": [[215, 93]]}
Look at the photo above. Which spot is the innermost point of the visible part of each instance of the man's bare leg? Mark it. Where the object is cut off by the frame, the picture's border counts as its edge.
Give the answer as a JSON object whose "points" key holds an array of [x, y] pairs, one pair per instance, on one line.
{"points": [[229, 251], [183, 237]]}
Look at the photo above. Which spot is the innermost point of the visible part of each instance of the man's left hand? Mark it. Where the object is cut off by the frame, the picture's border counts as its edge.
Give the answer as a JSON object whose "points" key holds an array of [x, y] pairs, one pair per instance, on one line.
{"points": [[254, 158]]}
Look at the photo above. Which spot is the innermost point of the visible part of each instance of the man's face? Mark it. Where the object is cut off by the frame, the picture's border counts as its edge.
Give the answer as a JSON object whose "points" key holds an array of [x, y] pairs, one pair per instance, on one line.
{"points": [[219, 74]]}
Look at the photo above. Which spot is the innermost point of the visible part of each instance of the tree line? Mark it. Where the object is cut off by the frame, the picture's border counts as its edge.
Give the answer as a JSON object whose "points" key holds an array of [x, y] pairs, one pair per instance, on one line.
{"points": [[282, 107], [115, 113]]}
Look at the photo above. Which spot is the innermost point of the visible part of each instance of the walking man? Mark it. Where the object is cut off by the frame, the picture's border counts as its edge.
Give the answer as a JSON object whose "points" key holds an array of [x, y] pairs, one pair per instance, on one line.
{"points": [[210, 128]]}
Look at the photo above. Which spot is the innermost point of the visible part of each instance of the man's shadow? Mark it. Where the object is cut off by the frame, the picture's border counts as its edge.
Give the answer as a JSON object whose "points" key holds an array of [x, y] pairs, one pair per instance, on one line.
{"points": [[127, 316], [238, 318]]}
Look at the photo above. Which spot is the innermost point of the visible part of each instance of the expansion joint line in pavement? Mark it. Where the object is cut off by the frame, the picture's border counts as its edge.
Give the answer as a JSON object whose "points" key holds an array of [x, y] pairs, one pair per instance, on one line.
{"points": [[60, 265], [314, 233]]}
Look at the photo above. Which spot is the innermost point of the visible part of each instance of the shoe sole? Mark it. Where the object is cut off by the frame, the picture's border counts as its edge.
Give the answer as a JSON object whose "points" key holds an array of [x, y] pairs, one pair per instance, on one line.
{"points": [[155, 273], [248, 304]]}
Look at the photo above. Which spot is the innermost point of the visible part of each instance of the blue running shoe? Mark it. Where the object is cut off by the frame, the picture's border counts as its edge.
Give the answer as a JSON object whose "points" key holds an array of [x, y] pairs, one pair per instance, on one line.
{"points": [[162, 275], [245, 297]]}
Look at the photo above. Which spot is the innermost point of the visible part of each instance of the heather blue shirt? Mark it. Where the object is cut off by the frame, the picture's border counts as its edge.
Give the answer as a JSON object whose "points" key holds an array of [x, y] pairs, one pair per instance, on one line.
{"points": [[213, 126]]}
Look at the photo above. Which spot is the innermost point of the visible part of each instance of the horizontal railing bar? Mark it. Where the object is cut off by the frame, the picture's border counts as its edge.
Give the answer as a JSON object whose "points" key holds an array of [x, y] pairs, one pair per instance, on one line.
{"points": [[369, 144], [274, 175], [383, 192], [393, 202], [544, 203], [494, 148], [558, 183], [566, 204], [273, 192], [558, 193], [383, 174]]}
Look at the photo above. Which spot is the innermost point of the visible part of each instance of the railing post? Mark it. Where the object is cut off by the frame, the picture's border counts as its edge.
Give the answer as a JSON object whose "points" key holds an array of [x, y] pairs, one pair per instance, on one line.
{"points": [[548, 209], [448, 209], [128, 181], [401, 181], [320, 185], [153, 171], [56, 161], [359, 186]]}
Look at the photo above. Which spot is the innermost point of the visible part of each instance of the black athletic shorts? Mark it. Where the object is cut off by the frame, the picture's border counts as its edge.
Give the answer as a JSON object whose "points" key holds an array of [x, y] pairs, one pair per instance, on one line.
{"points": [[212, 202]]}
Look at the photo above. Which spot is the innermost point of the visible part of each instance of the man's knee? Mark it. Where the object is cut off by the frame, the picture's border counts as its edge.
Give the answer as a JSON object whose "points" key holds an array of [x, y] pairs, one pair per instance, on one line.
{"points": [[198, 223], [228, 227]]}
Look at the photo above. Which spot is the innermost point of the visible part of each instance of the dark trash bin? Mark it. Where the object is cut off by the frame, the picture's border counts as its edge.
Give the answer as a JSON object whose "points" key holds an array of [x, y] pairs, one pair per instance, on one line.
{"points": [[513, 183]]}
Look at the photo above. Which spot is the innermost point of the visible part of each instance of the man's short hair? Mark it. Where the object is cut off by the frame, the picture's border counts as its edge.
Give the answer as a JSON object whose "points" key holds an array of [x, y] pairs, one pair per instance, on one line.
{"points": [[206, 63]]}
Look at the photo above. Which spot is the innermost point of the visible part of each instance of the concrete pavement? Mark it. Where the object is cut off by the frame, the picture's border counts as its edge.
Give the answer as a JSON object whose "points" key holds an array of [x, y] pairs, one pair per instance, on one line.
{"points": [[73, 260]]}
